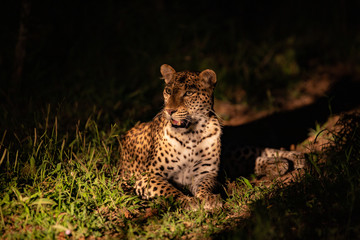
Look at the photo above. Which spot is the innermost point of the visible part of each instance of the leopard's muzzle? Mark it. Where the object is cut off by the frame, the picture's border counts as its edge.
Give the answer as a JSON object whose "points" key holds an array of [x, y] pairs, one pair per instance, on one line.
{"points": [[184, 123]]}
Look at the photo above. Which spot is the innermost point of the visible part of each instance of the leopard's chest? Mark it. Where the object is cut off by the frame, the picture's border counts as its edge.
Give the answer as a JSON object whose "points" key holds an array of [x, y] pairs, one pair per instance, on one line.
{"points": [[185, 156]]}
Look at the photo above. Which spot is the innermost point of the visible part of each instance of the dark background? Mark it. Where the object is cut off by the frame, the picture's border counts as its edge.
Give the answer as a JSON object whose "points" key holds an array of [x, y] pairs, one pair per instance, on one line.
{"points": [[79, 56]]}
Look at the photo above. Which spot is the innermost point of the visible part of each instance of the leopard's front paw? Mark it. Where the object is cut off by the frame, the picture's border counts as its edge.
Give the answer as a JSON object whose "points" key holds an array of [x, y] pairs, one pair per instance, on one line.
{"points": [[188, 203], [207, 202], [211, 201]]}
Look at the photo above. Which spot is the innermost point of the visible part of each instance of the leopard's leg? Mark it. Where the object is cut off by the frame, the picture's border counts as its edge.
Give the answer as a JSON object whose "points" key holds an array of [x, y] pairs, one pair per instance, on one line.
{"points": [[149, 186], [273, 162], [297, 158], [202, 188], [271, 166]]}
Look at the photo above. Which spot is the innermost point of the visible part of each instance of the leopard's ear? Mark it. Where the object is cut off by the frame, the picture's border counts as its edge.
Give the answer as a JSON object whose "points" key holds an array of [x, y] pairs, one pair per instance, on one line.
{"points": [[208, 76], [167, 72]]}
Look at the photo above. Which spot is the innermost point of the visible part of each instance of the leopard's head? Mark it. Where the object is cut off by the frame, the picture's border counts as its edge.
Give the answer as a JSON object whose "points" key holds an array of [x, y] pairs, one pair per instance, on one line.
{"points": [[188, 96]]}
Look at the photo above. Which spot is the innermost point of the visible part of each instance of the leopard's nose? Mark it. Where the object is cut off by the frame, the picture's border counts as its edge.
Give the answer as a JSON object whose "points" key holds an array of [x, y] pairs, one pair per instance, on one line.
{"points": [[170, 111]]}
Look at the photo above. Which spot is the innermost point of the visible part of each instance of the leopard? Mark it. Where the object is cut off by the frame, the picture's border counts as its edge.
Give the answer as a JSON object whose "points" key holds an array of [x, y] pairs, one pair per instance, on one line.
{"points": [[180, 149]]}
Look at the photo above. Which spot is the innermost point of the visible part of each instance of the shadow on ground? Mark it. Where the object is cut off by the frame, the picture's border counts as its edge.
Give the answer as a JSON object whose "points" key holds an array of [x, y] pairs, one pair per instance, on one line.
{"points": [[282, 129]]}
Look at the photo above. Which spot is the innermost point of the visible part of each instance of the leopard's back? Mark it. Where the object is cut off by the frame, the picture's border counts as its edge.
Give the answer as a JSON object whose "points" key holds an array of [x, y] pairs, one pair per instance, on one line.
{"points": [[136, 147]]}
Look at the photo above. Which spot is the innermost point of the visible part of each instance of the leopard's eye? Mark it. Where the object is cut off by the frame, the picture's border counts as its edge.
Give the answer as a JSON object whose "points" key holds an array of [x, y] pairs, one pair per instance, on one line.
{"points": [[189, 93], [167, 91]]}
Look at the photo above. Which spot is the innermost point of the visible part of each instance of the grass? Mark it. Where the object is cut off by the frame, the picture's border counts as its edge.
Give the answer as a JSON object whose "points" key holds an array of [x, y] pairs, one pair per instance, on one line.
{"points": [[60, 184]]}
